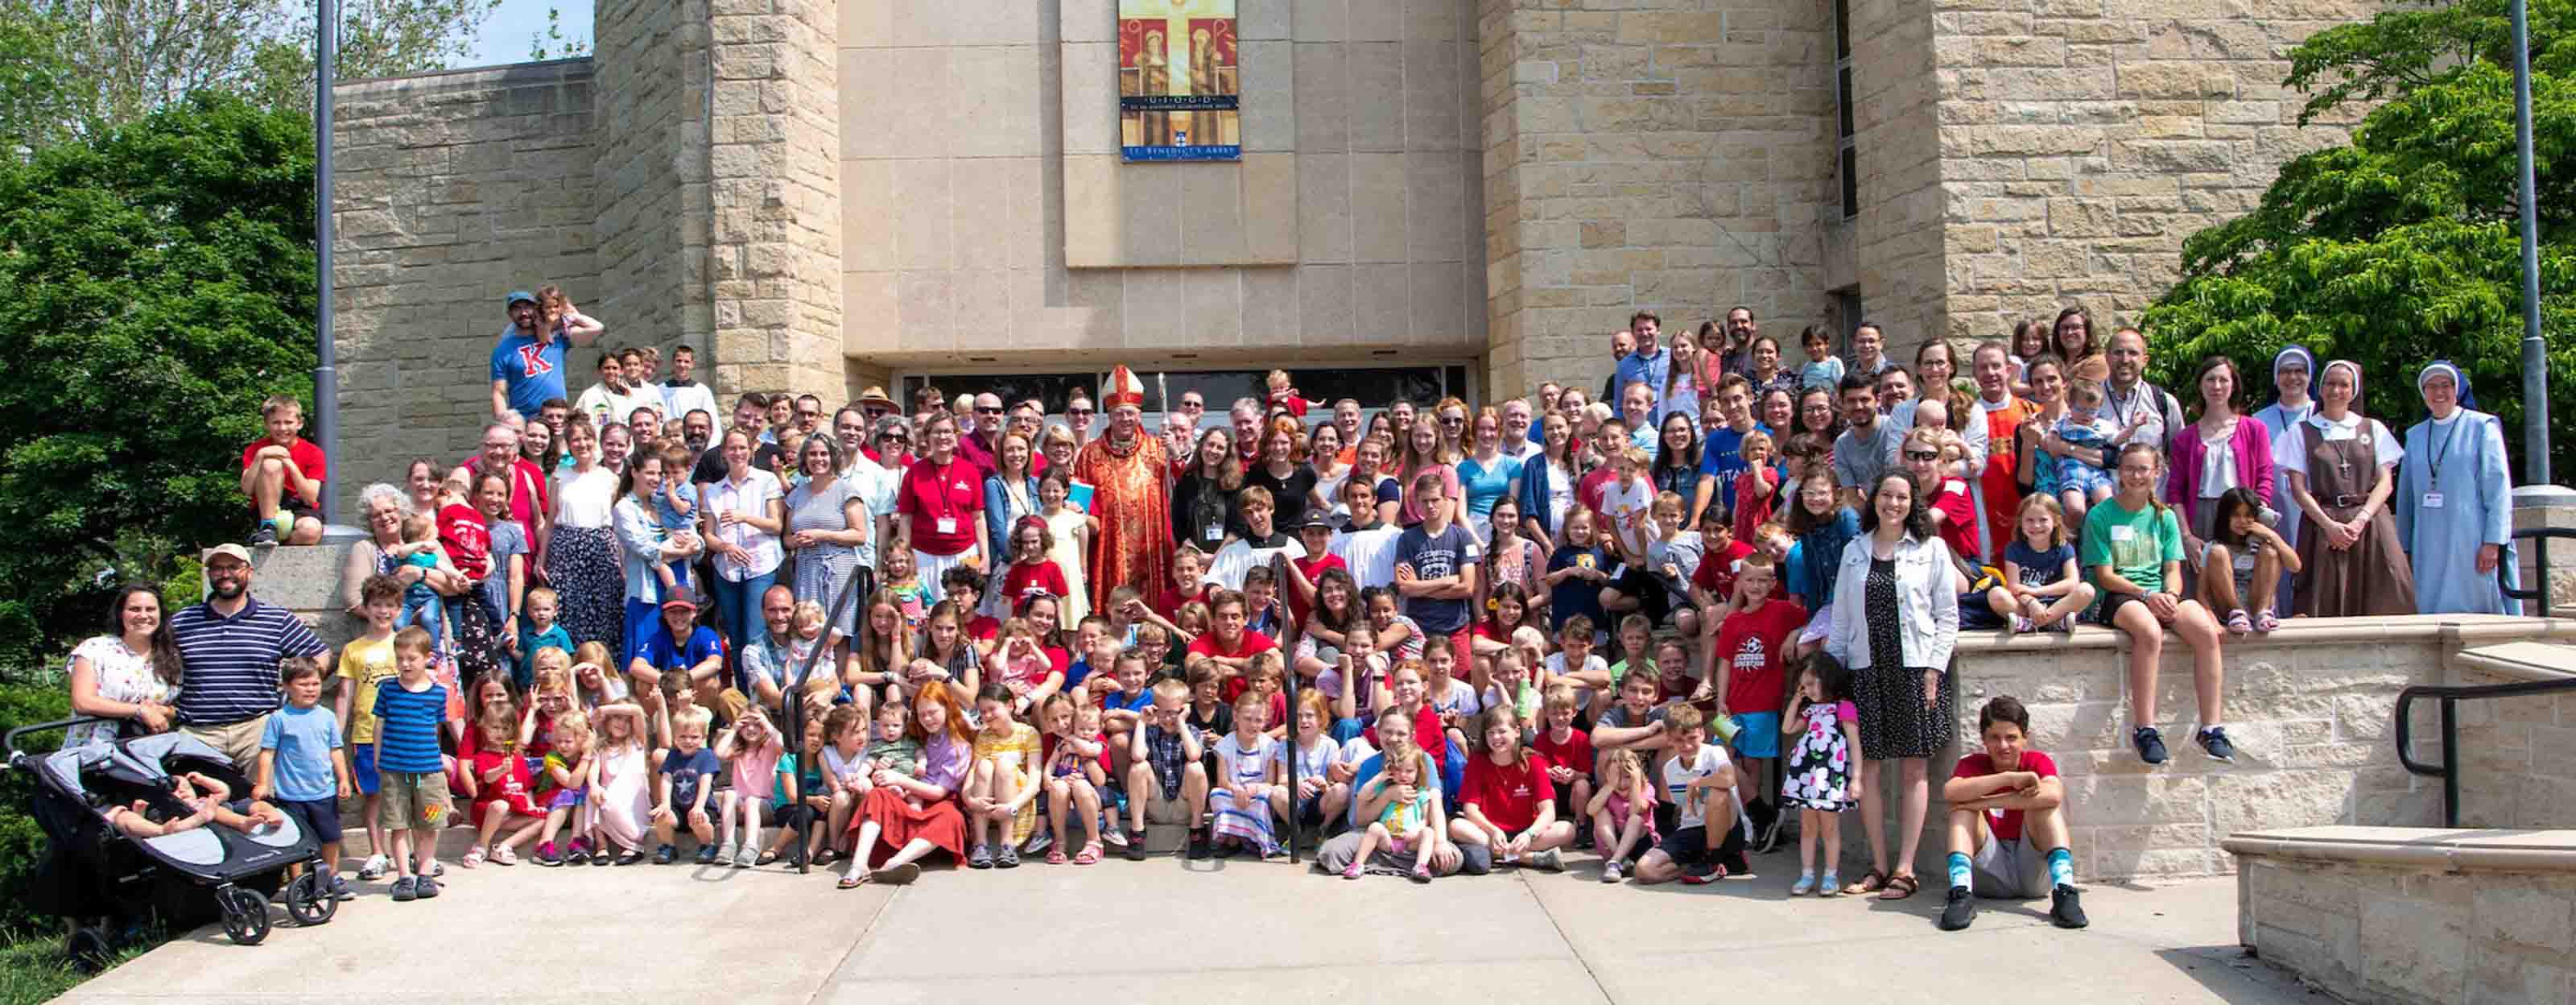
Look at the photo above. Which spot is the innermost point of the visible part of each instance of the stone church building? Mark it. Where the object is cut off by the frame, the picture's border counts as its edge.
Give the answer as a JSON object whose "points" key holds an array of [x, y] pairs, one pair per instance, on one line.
{"points": [[1434, 196]]}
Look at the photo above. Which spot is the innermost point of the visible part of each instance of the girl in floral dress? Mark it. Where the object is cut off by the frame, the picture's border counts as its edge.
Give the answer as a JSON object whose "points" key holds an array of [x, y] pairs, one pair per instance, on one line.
{"points": [[1820, 780]]}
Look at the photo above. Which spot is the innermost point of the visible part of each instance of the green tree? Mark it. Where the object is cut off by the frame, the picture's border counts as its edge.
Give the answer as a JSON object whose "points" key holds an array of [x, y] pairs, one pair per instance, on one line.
{"points": [[2402, 246], [71, 68], [156, 284], [553, 43]]}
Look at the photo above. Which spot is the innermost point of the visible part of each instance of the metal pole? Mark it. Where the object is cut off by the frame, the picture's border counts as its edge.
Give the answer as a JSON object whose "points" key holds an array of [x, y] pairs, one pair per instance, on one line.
{"points": [[2535, 355], [326, 377]]}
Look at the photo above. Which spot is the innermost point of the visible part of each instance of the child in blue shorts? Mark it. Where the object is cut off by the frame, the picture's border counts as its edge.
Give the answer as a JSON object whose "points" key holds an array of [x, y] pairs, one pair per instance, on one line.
{"points": [[303, 768], [2080, 485], [1750, 662], [365, 661]]}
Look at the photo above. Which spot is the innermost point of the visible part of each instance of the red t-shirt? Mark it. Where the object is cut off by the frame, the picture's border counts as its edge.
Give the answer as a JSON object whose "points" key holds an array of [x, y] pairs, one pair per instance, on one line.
{"points": [[1575, 752], [1752, 508], [1027, 579], [1509, 796], [984, 629], [307, 458], [943, 502], [1426, 730], [468, 538], [1168, 601], [1753, 644], [1958, 517], [1313, 567], [1587, 491], [1716, 572], [2005, 823], [1253, 644]]}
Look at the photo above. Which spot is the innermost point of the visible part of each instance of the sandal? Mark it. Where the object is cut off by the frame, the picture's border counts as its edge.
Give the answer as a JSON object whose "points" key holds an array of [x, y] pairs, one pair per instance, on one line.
{"points": [[2265, 622], [1055, 856], [766, 857], [826, 857], [852, 881], [2238, 622], [1900, 886], [505, 855], [1090, 854], [1870, 882], [473, 857]]}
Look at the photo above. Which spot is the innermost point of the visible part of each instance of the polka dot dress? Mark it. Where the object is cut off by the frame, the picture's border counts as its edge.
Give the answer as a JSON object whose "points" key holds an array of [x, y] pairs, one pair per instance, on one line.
{"points": [[1894, 722]]}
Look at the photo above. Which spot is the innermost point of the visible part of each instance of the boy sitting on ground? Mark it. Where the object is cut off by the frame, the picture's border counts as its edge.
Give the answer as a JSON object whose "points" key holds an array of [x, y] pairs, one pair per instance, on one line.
{"points": [[2008, 823]]}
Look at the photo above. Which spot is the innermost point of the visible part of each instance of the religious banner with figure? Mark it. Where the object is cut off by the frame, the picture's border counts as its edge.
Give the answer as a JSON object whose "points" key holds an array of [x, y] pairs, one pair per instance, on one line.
{"points": [[1178, 81]]}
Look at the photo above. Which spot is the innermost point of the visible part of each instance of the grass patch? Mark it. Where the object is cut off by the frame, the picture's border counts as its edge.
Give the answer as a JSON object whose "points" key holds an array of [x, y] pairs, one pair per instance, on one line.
{"points": [[33, 968]]}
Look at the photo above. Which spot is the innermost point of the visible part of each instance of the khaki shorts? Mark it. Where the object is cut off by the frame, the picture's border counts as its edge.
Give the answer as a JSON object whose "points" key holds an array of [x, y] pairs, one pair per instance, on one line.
{"points": [[414, 801], [237, 740]]}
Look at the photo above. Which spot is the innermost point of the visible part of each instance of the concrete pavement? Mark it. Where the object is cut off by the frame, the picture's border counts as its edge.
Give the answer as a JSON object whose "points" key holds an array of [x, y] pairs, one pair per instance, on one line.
{"points": [[1167, 930]]}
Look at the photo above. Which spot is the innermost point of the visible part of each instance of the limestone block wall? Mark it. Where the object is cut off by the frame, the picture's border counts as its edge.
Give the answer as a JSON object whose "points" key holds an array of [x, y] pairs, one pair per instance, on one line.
{"points": [[2517, 755], [1898, 128], [987, 218], [2083, 140], [2413, 916], [1672, 155], [774, 187], [451, 189], [653, 217], [2310, 707]]}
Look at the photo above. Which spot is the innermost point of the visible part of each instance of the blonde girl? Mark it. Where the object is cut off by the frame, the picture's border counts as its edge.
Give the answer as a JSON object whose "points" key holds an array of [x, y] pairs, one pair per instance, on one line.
{"points": [[1073, 776], [1413, 824], [1624, 805], [1248, 768], [1021, 666], [595, 681], [847, 769], [751, 750], [1001, 793], [1070, 531], [2042, 587], [567, 774], [883, 651]]}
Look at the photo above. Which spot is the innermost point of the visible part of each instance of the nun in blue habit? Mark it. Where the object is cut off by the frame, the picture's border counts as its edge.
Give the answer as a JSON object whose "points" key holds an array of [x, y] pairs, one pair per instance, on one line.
{"points": [[2292, 369], [2455, 501]]}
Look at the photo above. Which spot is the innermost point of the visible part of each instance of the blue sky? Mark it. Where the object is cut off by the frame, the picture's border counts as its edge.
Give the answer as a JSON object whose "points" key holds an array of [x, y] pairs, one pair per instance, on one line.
{"points": [[505, 37]]}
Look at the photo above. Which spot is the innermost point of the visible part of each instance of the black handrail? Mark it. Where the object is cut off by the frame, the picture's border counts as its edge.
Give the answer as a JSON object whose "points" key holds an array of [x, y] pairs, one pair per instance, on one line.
{"points": [[791, 727], [2539, 557], [2450, 695]]}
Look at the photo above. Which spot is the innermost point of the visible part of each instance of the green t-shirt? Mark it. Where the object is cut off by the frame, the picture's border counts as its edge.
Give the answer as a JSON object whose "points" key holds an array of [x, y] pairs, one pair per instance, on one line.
{"points": [[1619, 671], [2134, 543]]}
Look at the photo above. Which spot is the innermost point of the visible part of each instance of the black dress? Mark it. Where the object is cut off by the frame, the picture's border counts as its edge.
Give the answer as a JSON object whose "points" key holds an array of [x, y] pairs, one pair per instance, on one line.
{"points": [[1894, 722]]}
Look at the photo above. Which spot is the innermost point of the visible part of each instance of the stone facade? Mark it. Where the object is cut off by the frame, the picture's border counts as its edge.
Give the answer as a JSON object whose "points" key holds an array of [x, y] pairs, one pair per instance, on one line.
{"points": [[451, 190], [2413, 915], [823, 194]]}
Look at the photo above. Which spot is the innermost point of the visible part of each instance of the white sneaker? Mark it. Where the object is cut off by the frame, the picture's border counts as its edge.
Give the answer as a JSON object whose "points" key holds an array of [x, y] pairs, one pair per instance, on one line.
{"points": [[375, 867]]}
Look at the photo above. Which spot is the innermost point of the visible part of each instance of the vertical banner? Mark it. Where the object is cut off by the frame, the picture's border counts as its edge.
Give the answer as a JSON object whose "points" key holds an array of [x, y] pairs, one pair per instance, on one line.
{"points": [[1179, 81]]}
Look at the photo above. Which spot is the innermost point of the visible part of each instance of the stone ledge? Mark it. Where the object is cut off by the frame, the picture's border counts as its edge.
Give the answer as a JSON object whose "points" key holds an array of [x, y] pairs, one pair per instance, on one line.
{"points": [[2465, 629], [471, 77], [2415, 847], [2532, 661]]}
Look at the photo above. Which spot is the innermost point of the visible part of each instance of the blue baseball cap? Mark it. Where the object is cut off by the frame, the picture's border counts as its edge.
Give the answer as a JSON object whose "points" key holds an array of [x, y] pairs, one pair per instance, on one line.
{"points": [[515, 296]]}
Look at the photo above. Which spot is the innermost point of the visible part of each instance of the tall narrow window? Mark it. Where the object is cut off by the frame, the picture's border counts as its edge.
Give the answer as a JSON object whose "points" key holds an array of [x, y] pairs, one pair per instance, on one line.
{"points": [[1848, 160]]}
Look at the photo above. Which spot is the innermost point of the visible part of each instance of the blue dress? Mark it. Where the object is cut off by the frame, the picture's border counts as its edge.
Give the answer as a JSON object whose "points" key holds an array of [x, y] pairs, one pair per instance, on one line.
{"points": [[2453, 495]]}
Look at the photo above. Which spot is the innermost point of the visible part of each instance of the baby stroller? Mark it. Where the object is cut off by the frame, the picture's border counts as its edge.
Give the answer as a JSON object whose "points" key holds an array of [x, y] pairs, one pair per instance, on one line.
{"points": [[110, 883]]}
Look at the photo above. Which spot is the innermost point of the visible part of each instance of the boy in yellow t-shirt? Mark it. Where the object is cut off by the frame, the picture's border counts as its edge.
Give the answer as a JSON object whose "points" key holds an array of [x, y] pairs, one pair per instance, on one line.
{"points": [[364, 661]]}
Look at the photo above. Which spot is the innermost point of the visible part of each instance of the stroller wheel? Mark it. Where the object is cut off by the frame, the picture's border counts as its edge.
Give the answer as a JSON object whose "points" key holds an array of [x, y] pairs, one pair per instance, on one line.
{"points": [[308, 902], [245, 914], [88, 949]]}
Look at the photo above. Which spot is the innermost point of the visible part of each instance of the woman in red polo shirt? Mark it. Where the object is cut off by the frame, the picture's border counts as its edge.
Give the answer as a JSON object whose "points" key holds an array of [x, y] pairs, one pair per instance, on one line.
{"points": [[939, 506]]}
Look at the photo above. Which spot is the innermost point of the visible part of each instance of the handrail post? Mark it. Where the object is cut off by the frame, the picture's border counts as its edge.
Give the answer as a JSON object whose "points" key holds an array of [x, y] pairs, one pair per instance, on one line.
{"points": [[2450, 763]]}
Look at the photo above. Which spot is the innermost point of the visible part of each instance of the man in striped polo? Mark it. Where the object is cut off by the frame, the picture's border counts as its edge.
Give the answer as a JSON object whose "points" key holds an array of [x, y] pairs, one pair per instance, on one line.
{"points": [[231, 645]]}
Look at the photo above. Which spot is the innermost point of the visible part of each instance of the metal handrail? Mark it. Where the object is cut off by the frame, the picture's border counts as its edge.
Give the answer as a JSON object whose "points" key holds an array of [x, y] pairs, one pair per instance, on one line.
{"points": [[2539, 557], [2450, 695], [791, 708]]}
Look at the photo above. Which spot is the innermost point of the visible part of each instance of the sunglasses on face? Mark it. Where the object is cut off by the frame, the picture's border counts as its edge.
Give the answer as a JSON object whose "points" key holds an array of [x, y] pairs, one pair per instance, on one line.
{"points": [[980, 410], [1077, 411], [1922, 455]]}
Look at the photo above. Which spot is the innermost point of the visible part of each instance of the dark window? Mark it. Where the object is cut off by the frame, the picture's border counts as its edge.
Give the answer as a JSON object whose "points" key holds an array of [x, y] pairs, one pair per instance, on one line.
{"points": [[1851, 181], [1848, 163]]}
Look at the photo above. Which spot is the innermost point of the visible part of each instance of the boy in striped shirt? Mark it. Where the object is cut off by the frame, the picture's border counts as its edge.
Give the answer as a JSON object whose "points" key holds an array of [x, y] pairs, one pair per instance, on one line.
{"points": [[409, 709]]}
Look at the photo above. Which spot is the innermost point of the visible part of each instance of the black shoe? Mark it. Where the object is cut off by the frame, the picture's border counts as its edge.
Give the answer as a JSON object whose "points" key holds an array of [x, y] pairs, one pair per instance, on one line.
{"points": [[1228, 850], [1135, 850], [425, 888], [1961, 909], [623, 858], [2066, 907], [706, 854], [665, 855], [1699, 873], [1737, 867], [265, 536], [2214, 742], [1199, 849], [406, 888], [2150, 744]]}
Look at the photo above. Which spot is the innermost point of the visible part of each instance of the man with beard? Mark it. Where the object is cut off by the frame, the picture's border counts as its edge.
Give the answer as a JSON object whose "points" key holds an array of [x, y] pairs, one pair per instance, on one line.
{"points": [[1131, 481], [981, 446], [231, 645], [527, 365], [681, 394]]}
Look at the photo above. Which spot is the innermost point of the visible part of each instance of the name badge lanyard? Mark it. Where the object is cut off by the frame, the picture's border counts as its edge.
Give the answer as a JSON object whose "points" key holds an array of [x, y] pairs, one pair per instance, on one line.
{"points": [[2440, 447]]}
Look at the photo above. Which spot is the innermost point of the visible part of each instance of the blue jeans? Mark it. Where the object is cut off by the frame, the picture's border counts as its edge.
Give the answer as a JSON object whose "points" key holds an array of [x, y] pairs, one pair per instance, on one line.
{"points": [[738, 609], [642, 620], [425, 613]]}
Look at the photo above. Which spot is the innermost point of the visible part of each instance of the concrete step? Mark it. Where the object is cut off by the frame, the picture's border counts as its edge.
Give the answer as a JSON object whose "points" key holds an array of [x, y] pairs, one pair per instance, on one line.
{"points": [[2527, 660]]}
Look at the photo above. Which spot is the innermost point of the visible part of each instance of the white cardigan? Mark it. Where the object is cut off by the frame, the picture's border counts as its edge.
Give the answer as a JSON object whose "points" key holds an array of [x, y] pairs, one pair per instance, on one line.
{"points": [[1927, 608]]}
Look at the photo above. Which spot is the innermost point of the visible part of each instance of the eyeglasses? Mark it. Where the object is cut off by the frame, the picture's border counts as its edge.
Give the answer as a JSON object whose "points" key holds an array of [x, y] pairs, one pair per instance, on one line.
{"points": [[1922, 455], [1186, 403]]}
